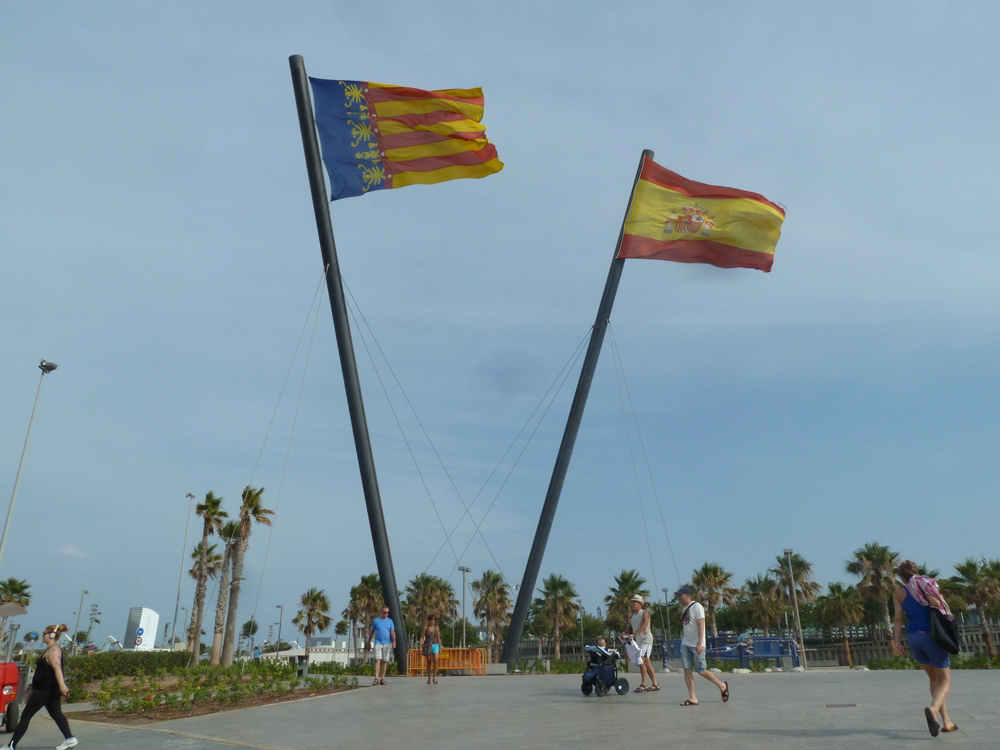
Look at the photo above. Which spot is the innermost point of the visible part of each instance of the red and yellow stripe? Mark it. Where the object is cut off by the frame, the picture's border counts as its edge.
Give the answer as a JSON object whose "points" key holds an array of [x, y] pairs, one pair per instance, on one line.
{"points": [[427, 137], [673, 218]]}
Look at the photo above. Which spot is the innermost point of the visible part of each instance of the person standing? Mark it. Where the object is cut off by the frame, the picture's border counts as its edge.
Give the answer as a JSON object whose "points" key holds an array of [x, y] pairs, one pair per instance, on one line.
{"points": [[693, 647], [431, 647], [916, 597], [385, 641], [47, 688], [640, 645]]}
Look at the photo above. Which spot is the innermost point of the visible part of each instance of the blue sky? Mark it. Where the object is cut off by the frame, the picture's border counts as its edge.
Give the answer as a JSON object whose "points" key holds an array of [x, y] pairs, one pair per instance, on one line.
{"points": [[158, 244]]}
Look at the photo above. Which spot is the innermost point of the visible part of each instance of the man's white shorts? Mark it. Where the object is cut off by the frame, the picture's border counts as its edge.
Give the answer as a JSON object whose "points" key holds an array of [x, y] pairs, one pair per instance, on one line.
{"points": [[636, 651], [383, 651]]}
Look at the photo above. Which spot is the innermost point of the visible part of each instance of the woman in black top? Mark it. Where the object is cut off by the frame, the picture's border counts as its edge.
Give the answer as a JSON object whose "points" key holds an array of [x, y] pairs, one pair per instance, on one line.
{"points": [[47, 689]]}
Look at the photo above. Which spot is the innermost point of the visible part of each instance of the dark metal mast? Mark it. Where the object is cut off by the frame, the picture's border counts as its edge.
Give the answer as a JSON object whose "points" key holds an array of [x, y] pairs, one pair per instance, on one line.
{"points": [[527, 589], [366, 462]]}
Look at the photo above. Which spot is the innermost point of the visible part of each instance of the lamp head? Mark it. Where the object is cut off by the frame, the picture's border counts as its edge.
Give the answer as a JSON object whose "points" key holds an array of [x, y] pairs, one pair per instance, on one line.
{"points": [[788, 552], [47, 367]]}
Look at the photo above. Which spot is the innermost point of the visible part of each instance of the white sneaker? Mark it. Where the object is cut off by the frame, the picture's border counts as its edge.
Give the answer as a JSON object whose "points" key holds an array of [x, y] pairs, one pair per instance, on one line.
{"points": [[67, 744]]}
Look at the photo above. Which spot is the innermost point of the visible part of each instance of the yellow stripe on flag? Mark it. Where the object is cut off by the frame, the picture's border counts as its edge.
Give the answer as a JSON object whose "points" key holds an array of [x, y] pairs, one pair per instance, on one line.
{"points": [[441, 148], [446, 173], [392, 127], [423, 106], [666, 215]]}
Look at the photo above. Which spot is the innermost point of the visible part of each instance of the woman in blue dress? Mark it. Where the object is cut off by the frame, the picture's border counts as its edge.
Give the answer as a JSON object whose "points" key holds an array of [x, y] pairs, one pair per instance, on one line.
{"points": [[916, 597]]}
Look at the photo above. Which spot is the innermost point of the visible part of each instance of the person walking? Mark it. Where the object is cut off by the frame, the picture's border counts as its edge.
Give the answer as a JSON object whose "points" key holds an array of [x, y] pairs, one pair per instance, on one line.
{"points": [[693, 647], [385, 641], [916, 597], [640, 645], [47, 689], [431, 647]]}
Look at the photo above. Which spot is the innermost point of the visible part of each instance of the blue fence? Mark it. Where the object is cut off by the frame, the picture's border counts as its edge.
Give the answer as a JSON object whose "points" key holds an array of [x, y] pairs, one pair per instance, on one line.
{"points": [[742, 651]]}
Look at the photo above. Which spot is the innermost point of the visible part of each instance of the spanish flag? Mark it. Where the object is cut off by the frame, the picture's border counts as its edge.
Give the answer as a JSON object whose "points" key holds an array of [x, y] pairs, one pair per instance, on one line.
{"points": [[673, 218], [375, 136]]}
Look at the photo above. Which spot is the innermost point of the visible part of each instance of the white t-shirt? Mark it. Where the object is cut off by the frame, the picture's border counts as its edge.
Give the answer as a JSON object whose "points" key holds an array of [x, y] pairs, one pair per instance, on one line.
{"points": [[693, 613]]}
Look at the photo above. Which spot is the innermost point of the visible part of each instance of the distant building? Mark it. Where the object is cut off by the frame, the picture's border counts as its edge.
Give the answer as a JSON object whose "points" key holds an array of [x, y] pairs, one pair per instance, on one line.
{"points": [[140, 632]]}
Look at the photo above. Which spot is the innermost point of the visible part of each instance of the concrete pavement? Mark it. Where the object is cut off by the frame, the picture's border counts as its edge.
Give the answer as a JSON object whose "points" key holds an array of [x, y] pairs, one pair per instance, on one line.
{"points": [[766, 711]]}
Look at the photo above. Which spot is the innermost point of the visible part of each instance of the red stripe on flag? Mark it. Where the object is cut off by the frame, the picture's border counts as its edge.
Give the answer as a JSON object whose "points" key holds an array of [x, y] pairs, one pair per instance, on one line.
{"points": [[404, 93], [659, 175], [430, 163], [429, 118], [412, 138], [695, 251]]}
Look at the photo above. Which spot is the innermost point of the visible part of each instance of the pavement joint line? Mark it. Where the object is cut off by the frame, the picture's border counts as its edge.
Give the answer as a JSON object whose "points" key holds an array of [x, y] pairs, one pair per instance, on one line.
{"points": [[188, 735]]}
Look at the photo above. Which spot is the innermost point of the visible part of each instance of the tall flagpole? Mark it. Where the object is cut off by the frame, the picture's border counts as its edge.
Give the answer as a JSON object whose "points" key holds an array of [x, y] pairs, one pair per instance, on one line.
{"points": [[355, 404], [527, 590]]}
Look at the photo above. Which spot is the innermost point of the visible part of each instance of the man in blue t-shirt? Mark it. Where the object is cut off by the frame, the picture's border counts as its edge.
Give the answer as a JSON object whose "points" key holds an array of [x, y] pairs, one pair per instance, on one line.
{"points": [[385, 641]]}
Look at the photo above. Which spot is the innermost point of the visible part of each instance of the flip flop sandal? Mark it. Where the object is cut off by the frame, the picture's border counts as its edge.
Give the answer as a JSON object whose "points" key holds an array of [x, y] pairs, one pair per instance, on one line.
{"points": [[375, 681], [954, 728], [641, 689], [725, 693], [932, 726], [690, 703], [655, 687], [382, 682]]}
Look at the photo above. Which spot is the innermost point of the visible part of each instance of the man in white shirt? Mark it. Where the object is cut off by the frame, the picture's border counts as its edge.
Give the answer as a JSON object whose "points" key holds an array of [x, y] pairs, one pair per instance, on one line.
{"points": [[693, 647]]}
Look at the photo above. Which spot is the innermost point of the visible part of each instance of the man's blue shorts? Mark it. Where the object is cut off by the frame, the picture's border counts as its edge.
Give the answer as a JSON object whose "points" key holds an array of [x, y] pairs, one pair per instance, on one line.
{"points": [[691, 659], [926, 651]]}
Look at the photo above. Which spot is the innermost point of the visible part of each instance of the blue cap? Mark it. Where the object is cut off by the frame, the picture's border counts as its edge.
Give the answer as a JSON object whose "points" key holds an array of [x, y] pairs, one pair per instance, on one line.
{"points": [[684, 590]]}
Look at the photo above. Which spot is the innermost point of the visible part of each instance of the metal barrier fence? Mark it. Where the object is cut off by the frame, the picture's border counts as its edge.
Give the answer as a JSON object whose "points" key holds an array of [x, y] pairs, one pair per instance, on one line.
{"points": [[471, 659], [742, 651]]}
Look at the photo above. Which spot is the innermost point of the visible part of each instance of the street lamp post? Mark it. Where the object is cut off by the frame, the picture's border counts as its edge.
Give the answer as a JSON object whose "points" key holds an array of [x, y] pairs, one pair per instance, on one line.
{"points": [[46, 368], [180, 577], [76, 628], [666, 610], [185, 619], [580, 602], [795, 600], [281, 616], [464, 571]]}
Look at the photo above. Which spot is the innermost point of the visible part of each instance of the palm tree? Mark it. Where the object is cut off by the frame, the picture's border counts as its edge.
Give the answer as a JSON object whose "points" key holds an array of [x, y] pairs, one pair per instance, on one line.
{"points": [[17, 591], [875, 564], [556, 606], [314, 615], [363, 607], [763, 598], [212, 514], [841, 607], [205, 559], [230, 534], [712, 580], [492, 603], [806, 589], [627, 584], [428, 595], [980, 586], [251, 510]]}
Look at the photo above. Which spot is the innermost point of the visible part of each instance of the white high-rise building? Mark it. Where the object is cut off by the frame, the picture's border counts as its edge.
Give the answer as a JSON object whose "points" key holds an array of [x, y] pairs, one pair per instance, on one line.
{"points": [[140, 633]]}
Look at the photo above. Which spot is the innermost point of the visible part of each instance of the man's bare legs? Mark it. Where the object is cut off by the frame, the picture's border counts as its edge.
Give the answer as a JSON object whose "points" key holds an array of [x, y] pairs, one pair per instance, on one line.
{"points": [[689, 681]]}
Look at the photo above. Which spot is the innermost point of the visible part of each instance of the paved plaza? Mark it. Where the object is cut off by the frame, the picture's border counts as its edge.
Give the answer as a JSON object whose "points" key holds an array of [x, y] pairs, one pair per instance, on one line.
{"points": [[772, 711]]}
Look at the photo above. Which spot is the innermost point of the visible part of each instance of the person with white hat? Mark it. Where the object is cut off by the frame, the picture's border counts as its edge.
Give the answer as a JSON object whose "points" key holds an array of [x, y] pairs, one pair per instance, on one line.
{"points": [[639, 643]]}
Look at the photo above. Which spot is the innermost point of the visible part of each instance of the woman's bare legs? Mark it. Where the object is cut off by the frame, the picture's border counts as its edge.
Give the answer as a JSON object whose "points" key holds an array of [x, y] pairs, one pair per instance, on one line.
{"points": [[940, 683]]}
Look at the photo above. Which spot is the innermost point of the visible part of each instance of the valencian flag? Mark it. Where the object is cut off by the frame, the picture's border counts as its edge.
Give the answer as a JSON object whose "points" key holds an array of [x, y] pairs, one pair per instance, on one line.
{"points": [[673, 218], [376, 136]]}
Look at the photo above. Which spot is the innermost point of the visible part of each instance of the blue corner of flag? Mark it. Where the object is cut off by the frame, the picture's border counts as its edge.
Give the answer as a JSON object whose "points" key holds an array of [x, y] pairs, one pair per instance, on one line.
{"points": [[347, 137]]}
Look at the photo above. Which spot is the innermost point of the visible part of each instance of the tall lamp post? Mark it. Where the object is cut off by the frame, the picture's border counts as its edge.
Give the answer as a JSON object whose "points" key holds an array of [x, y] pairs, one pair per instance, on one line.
{"points": [[46, 368], [281, 616], [580, 602], [76, 628], [666, 610], [795, 600], [180, 577], [464, 571], [185, 619]]}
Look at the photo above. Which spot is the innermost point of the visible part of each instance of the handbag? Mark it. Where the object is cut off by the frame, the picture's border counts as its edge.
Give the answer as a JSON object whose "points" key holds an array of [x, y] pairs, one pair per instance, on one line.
{"points": [[944, 632]]}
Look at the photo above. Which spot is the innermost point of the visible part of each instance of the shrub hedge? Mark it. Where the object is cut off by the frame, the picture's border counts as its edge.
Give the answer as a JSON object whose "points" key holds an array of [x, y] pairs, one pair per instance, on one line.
{"points": [[89, 667]]}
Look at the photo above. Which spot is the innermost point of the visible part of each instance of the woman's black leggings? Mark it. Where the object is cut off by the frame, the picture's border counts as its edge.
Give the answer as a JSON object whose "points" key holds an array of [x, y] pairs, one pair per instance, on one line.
{"points": [[51, 699]]}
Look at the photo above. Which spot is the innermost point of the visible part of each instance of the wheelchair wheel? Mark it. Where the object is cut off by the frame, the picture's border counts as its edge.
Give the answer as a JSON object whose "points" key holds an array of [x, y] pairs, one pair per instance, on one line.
{"points": [[621, 686], [587, 688], [600, 688]]}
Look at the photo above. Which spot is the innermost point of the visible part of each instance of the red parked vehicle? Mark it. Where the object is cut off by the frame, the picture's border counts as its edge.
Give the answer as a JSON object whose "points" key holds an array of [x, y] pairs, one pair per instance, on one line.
{"points": [[10, 673]]}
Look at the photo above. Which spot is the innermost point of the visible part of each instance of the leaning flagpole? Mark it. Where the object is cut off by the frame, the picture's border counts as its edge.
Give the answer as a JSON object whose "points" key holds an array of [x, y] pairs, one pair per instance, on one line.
{"points": [[355, 404], [527, 590]]}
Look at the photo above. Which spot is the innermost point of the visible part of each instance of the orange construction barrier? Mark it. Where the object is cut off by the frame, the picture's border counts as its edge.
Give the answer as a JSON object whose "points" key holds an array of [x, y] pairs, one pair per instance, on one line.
{"points": [[473, 659]]}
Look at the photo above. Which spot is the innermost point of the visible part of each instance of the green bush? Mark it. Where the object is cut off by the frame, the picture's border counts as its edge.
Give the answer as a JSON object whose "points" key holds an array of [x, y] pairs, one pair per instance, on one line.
{"points": [[974, 661], [363, 670], [90, 667], [892, 662]]}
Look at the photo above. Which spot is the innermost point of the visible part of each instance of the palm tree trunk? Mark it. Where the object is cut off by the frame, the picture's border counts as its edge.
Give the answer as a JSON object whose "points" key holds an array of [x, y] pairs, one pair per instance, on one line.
{"points": [[190, 630], [234, 604], [199, 603], [558, 644], [991, 649], [847, 646], [220, 607]]}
